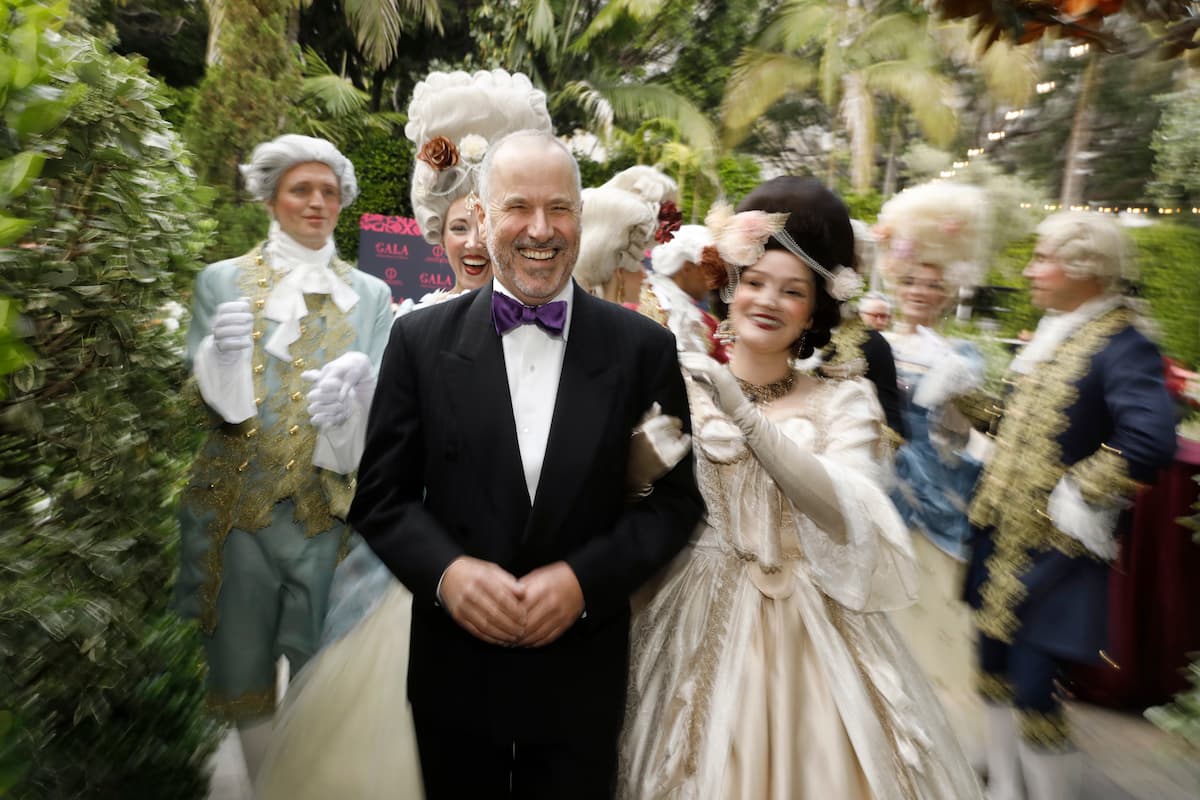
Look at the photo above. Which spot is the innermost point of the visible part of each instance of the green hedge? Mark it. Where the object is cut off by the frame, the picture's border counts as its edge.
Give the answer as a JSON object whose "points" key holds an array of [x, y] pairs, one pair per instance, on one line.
{"points": [[101, 687], [383, 163], [1168, 255]]}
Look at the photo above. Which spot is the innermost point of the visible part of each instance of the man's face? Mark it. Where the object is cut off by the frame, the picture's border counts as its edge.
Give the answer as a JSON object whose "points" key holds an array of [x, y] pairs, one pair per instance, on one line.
{"points": [[531, 218], [692, 280], [1051, 288], [306, 203], [875, 315]]}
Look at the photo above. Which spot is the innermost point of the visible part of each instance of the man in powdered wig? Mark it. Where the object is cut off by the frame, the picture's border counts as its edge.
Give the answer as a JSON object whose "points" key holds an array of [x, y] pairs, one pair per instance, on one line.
{"points": [[283, 346], [1087, 420]]}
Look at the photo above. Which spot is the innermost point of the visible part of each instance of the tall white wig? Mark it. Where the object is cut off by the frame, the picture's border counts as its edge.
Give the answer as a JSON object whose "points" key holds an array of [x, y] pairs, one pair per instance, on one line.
{"points": [[686, 246], [616, 228], [452, 119], [938, 224], [1090, 245], [272, 159], [648, 183]]}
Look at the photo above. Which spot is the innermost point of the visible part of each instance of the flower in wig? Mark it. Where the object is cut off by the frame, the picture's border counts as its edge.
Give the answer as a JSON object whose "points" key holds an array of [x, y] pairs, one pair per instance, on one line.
{"points": [[740, 239]]}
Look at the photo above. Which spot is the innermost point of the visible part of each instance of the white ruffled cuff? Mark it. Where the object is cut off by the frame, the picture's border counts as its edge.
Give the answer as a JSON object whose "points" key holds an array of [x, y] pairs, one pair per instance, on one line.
{"points": [[227, 388], [951, 377], [1091, 525], [339, 448]]}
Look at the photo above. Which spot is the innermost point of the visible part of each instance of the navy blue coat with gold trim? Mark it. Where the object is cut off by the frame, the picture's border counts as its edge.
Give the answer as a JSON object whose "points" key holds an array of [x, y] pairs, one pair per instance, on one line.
{"points": [[1097, 411]]}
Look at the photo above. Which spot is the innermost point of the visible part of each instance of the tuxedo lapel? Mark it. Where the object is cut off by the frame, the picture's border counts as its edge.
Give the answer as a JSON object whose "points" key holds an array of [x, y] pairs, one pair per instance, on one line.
{"points": [[581, 409], [478, 391]]}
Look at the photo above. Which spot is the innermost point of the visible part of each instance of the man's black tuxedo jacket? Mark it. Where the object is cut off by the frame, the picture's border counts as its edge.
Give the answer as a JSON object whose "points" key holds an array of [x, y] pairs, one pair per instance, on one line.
{"points": [[441, 477]]}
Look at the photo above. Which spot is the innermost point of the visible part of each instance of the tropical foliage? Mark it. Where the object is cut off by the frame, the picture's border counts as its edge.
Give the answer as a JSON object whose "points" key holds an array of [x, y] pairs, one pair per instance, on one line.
{"points": [[101, 685]]}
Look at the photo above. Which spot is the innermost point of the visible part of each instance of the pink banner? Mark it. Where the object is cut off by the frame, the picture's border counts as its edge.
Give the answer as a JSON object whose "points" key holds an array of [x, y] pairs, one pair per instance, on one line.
{"points": [[391, 248]]}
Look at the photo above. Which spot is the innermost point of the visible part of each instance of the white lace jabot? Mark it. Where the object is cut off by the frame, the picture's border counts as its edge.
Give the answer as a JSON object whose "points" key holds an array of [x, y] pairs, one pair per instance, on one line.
{"points": [[1055, 328], [304, 271]]}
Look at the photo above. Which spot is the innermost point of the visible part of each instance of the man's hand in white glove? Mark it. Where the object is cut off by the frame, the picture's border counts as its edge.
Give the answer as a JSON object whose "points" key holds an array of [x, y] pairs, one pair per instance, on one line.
{"points": [[726, 392], [332, 398], [232, 327], [329, 402]]}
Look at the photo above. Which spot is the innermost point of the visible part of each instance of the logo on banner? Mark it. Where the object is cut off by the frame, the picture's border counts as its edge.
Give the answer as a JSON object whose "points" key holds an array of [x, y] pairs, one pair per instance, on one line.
{"points": [[392, 248]]}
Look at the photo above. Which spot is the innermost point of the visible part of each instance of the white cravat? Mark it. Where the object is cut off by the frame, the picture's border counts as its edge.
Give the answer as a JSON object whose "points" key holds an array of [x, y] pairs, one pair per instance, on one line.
{"points": [[533, 360], [304, 270], [1055, 328]]}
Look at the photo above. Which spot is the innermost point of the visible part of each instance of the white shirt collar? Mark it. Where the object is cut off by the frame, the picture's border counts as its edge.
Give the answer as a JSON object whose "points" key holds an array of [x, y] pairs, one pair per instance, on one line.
{"points": [[566, 294]]}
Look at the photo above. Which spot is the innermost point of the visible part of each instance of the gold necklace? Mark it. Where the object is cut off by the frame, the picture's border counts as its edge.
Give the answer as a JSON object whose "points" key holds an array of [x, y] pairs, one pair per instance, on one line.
{"points": [[767, 393]]}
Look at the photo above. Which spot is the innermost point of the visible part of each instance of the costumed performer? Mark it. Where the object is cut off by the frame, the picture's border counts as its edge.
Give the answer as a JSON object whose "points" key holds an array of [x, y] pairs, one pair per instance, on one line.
{"points": [[765, 666], [345, 728], [284, 345], [932, 241], [1087, 419]]}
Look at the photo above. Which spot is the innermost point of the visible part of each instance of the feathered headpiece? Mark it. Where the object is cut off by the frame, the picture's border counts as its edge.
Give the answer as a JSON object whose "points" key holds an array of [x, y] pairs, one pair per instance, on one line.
{"points": [[451, 119]]}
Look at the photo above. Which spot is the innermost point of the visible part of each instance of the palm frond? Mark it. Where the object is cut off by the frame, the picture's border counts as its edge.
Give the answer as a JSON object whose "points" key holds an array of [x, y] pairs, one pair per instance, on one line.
{"points": [[334, 95], [541, 31], [798, 24], [830, 70], [376, 24], [925, 93], [636, 103], [759, 80], [893, 36], [593, 102], [640, 10]]}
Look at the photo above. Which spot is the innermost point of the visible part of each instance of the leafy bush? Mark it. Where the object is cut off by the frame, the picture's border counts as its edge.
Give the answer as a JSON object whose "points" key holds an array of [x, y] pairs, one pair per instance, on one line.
{"points": [[383, 164], [101, 682], [1168, 256]]}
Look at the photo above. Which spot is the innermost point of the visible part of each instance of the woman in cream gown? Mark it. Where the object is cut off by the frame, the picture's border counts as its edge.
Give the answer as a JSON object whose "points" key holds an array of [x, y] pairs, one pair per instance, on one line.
{"points": [[764, 666]]}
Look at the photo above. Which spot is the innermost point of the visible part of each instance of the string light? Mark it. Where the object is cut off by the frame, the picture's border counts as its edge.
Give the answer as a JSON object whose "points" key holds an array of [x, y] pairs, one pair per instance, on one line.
{"points": [[1077, 50], [995, 136], [961, 164], [947, 173], [1048, 86], [975, 151], [1016, 113]]}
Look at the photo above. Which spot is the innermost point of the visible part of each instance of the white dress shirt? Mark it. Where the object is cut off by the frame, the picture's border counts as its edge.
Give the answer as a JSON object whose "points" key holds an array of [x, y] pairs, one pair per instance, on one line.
{"points": [[533, 359]]}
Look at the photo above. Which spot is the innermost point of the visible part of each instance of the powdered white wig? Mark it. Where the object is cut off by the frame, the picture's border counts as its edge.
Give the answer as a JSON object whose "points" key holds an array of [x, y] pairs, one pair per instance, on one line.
{"points": [[616, 228], [1090, 245], [687, 245], [647, 183], [272, 159], [938, 224], [470, 111]]}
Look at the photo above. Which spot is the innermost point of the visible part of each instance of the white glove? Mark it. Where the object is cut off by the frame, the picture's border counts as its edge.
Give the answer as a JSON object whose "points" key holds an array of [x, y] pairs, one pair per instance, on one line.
{"points": [[658, 444], [726, 392], [232, 327], [334, 394]]}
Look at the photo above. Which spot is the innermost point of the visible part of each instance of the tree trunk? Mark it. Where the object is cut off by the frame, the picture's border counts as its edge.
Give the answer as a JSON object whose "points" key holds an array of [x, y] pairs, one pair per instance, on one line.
{"points": [[889, 173], [216, 17], [377, 90], [858, 113], [1074, 176]]}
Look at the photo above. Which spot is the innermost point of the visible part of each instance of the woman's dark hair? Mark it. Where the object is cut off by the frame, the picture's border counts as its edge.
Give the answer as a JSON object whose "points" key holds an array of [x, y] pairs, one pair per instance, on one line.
{"points": [[819, 222]]}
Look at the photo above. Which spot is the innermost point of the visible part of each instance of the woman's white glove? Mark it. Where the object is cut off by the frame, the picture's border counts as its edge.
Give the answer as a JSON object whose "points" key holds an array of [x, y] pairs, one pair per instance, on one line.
{"points": [[726, 391], [338, 389], [798, 473], [232, 329], [657, 444]]}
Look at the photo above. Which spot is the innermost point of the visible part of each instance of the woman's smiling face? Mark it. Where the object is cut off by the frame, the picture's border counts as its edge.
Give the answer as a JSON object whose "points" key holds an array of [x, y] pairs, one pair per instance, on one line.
{"points": [[773, 303], [465, 247]]}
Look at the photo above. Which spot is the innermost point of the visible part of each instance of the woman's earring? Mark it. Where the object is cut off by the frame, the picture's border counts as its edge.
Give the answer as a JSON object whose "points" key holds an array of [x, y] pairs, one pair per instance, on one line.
{"points": [[725, 333], [798, 346]]}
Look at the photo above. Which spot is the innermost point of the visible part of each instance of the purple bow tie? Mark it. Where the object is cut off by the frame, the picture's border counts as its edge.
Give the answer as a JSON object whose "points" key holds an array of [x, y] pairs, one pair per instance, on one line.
{"points": [[508, 313]]}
